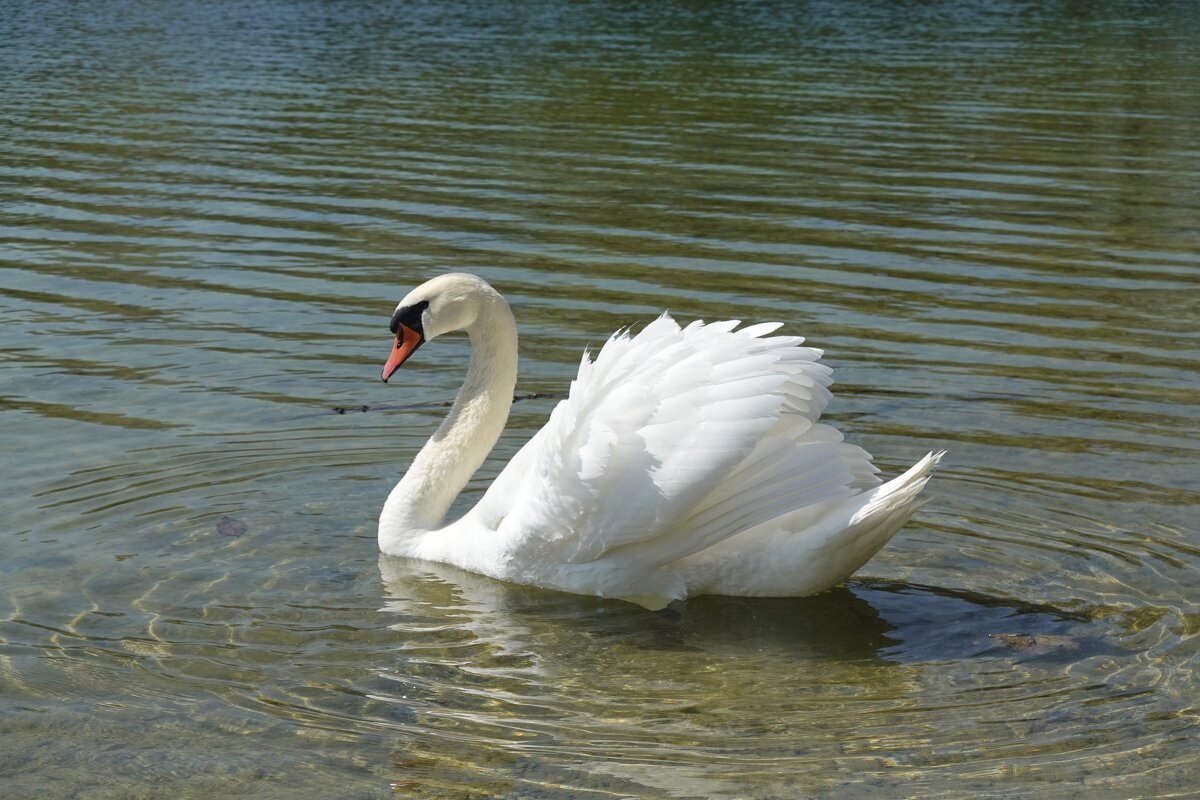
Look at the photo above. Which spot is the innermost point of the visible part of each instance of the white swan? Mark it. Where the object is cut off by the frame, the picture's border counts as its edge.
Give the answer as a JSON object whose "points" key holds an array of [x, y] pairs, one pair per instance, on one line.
{"points": [[684, 462]]}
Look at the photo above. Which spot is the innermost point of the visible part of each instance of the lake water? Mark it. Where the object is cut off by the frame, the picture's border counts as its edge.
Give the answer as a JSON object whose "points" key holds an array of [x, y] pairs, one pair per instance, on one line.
{"points": [[987, 214]]}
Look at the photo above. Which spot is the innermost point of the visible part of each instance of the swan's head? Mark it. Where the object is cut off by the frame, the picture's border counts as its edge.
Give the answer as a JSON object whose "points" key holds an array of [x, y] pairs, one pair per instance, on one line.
{"points": [[443, 304]]}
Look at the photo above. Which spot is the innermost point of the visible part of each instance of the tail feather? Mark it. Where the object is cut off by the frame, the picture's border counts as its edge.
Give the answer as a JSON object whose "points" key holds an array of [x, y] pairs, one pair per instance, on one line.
{"points": [[813, 548], [900, 491]]}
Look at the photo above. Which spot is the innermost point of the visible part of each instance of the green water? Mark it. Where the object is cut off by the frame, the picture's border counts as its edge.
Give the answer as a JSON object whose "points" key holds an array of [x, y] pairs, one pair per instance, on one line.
{"points": [[988, 214]]}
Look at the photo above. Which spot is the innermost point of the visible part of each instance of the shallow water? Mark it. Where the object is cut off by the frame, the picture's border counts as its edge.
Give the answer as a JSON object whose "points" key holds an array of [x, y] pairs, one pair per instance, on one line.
{"points": [[987, 214]]}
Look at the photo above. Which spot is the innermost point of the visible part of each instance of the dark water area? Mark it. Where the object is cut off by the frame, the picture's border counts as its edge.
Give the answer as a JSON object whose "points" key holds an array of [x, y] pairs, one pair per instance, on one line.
{"points": [[987, 214]]}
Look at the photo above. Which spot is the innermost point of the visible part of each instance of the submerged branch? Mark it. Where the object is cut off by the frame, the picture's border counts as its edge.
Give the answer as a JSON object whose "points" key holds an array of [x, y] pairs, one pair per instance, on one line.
{"points": [[342, 410]]}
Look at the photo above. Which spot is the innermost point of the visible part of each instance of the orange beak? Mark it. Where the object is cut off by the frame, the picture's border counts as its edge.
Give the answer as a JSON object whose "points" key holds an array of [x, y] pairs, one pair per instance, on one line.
{"points": [[407, 342]]}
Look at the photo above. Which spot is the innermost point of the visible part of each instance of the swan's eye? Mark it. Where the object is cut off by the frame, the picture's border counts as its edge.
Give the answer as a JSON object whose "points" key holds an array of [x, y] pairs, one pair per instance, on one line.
{"points": [[410, 316]]}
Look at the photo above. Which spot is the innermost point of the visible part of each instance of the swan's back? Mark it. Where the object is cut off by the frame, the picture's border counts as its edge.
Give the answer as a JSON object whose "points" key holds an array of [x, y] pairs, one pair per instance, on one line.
{"points": [[670, 443]]}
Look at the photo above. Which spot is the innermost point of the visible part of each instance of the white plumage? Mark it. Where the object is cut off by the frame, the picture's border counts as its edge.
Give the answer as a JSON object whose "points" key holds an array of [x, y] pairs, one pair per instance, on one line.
{"points": [[684, 461]]}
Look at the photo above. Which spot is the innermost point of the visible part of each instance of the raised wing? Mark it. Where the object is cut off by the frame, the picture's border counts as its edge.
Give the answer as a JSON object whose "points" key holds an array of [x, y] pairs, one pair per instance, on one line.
{"points": [[650, 432]]}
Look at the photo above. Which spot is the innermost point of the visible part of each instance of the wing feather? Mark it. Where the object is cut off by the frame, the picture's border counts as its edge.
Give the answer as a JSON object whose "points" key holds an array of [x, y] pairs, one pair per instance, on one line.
{"points": [[671, 440]]}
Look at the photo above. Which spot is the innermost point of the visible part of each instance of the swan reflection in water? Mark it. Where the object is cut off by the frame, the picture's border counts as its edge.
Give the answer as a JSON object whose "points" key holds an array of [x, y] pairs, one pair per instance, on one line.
{"points": [[838, 624], [581, 691], [884, 622]]}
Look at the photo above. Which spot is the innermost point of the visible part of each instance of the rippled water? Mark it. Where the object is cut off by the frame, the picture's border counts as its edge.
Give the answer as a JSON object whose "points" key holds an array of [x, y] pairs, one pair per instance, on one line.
{"points": [[988, 214]]}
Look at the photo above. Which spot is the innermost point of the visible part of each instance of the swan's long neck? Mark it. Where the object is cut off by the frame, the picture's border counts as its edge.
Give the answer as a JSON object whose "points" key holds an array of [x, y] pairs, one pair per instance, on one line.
{"points": [[419, 502]]}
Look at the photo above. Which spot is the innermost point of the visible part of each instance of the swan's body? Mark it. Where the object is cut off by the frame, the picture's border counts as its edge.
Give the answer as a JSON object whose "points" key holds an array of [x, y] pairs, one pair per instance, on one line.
{"points": [[684, 462]]}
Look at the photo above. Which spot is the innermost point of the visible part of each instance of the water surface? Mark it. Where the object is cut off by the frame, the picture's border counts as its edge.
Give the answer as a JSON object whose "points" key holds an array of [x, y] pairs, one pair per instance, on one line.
{"points": [[986, 213]]}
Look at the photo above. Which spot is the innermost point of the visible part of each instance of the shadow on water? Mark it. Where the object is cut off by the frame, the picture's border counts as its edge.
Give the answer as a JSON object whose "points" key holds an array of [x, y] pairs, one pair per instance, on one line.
{"points": [[886, 621]]}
